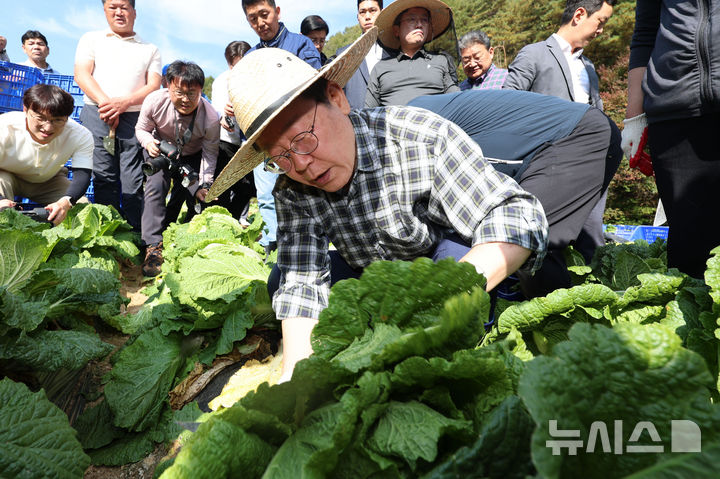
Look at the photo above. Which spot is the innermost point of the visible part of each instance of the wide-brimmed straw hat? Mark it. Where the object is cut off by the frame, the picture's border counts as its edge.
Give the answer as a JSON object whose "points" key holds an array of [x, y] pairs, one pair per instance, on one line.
{"points": [[264, 83], [440, 19]]}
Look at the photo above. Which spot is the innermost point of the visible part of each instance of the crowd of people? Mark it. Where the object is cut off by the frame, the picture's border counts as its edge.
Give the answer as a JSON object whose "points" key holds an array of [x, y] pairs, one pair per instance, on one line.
{"points": [[378, 150]]}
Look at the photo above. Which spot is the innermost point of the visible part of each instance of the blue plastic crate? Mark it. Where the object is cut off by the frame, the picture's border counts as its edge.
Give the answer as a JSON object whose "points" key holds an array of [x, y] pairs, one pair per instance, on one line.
{"points": [[67, 83], [14, 80], [76, 113], [636, 232]]}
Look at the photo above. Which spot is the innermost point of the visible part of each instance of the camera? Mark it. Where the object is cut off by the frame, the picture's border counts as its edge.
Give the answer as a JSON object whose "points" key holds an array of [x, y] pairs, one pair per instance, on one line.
{"points": [[230, 121], [169, 159]]}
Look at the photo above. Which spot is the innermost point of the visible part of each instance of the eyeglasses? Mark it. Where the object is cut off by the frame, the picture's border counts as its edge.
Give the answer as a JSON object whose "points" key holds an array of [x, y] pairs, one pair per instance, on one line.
{"points": [[190, 95], [318, 42], [303, 143], [477, 58], [56, 122]]}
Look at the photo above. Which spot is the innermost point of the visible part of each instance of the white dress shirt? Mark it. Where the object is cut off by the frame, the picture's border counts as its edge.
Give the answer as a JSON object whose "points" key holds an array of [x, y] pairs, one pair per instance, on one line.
{"points": [[580, 78]]}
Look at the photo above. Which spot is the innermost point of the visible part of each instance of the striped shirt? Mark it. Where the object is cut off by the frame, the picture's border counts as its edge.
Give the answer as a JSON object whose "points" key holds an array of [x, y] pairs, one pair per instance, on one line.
{"points": [[417, 178]]}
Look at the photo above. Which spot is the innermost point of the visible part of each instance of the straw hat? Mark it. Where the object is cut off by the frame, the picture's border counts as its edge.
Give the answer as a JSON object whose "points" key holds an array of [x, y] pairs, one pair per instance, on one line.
{"points": [[440, 18], [266, 81]]}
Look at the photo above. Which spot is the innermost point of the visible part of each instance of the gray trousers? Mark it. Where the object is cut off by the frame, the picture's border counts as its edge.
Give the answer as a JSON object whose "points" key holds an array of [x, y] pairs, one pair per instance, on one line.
{"points": [[157, 214], [117, 177]]}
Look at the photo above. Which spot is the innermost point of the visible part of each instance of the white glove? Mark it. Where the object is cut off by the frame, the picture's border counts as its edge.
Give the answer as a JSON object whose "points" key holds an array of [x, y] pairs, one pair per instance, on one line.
{"points": [[632, 131]]}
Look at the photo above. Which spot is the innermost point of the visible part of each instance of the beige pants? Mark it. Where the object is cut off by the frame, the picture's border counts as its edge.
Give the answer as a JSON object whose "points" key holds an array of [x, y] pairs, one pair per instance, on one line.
{"points": [[43, 193]]}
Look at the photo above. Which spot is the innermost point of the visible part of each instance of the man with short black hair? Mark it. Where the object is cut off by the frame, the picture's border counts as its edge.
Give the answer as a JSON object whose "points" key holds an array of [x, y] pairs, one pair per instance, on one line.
{"points": [[36, 143], [264, 18], [356, 88], [180, 116], [558, 67], [116, 70], [36, 47], [476, 56], [408, 25]]}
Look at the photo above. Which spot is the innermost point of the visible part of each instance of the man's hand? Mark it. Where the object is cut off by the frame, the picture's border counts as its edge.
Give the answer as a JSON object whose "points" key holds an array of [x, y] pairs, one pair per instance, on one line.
{"points": [[229, 109], [496, 260], [224, 124], [6, 203], [632, 132], [201, 193], [152, 148], [111, 109], [296, 334], [58, 210]]}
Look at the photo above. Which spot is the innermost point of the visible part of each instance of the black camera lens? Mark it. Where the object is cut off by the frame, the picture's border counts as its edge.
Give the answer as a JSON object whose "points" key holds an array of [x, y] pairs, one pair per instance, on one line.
{"points": [[153, 165]]}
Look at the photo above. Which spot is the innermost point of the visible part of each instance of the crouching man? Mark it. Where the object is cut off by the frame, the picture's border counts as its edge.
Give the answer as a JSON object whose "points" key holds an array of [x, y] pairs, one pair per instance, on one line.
{"points": [[564, 153], [180, 132], [392, 183], [36, 143]]}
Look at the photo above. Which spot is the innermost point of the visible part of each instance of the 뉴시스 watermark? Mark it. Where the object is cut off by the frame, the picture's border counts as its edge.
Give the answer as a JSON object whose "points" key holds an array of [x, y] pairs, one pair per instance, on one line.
{"points": [[685, 436]]}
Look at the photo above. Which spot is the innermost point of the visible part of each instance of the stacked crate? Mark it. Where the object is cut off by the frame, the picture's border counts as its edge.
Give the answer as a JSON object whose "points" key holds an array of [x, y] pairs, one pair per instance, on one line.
{"points": [[67, 83], [15, 79]]}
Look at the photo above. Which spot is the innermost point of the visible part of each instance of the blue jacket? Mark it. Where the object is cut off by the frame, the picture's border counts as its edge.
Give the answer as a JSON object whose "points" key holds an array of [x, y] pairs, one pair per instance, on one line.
{"points": [[299, 45]]}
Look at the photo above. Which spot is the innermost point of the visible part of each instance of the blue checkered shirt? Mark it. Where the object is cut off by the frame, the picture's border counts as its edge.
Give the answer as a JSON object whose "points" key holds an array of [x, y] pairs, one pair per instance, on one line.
{"points": [[417, 177], [492, 79]]}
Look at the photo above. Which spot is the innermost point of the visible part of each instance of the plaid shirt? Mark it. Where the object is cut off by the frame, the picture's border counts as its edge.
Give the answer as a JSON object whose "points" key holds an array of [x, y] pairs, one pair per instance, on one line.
{"points": [[493, 79], [417, 177]]}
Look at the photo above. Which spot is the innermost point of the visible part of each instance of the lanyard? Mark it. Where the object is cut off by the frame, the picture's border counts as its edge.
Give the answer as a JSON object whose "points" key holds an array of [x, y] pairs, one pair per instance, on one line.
{"points": [[181, 141]]}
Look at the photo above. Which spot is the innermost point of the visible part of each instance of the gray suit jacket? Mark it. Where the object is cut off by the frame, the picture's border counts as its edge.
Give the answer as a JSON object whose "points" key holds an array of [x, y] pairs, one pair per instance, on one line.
{"points": [[541, 67], [356, 87]]}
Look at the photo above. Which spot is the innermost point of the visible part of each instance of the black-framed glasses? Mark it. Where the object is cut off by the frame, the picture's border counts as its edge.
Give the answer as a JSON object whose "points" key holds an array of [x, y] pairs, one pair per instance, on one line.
{"points": [[189, 95], [303, 143]]}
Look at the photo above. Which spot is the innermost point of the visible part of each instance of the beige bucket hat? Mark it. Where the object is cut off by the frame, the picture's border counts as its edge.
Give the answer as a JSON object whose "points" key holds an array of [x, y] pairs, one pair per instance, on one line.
{"points": [[440, 18], [264, 83]]}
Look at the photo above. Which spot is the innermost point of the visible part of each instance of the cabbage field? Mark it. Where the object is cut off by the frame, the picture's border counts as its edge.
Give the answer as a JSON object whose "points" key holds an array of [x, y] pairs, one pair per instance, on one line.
{"points": [[615, 377]]}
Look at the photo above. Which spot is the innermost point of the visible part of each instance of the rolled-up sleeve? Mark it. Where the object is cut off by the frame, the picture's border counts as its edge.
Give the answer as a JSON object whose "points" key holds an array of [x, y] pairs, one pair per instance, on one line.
{"points": [[303, 261], [481, 204]]}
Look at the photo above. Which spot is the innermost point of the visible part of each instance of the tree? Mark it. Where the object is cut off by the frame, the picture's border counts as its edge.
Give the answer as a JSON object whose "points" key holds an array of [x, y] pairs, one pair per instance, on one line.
{"points": [[346, 37], [207, 88]]}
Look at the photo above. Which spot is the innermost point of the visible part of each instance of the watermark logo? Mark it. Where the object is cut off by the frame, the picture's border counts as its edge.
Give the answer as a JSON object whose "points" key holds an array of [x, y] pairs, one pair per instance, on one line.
{"points": [[685, 436]]}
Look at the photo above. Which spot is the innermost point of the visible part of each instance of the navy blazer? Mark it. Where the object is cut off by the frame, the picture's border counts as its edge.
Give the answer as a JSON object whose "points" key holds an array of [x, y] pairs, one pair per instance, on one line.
{"points": [[356, 87], [541, 68]]}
